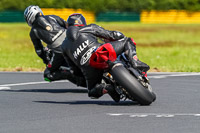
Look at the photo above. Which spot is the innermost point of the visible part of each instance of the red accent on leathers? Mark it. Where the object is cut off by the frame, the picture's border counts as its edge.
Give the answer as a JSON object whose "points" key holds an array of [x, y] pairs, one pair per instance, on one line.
{"points": [[79, 25], [49, 65], [104, 91], [145, 74], [133, 41]]}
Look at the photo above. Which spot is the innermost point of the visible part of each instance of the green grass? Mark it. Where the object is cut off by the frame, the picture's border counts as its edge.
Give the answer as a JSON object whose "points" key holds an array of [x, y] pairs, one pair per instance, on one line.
{"points": [[16, 50], [165, 47], [171, 59]]}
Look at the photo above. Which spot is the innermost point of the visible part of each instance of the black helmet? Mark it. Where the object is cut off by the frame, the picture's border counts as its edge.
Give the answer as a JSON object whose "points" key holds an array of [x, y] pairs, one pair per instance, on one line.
{"points": [[76, 19]]}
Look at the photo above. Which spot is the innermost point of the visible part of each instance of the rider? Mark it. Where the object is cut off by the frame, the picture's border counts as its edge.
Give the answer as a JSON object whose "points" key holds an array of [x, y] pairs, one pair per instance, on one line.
{"points": [[52, 30], [81, 41]]}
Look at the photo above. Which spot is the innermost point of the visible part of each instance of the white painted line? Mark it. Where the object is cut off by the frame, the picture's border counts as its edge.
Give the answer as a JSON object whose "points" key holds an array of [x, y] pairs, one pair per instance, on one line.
{"points": [[28, 83], [115, 114], [175, 75], [31, 83], [21, 72], [5, 88], [157, 115], [138, 115], [165, 115], [45, 82]]}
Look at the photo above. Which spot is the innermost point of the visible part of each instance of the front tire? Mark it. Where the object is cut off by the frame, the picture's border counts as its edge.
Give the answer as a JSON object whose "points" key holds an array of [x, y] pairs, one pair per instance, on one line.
{"points": [[132, 85]]}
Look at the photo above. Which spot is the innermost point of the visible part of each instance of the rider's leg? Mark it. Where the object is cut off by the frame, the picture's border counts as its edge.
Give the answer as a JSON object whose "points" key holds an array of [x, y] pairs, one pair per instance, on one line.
{"points": [[54, 72], [101, 89], [128, 46], [130, 51], [51, 73], [56, 61], [64, 75], [95, 86]]}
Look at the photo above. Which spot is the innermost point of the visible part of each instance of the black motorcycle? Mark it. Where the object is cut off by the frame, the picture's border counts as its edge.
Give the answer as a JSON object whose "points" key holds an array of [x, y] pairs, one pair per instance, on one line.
{"points": [[129, 82]]}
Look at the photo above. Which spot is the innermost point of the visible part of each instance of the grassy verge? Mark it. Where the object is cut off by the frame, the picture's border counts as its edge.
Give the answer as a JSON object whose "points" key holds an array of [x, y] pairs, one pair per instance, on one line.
{"points": [[16, 50], [164, 47]]}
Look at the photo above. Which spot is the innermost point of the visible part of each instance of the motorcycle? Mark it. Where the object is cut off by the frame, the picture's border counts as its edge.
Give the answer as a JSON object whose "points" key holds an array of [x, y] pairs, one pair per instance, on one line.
{"points": [[130, 83]]}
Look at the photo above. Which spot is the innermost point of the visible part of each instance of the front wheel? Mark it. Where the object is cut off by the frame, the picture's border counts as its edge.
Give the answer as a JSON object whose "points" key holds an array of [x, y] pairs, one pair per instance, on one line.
{"points": [[132, 85]]}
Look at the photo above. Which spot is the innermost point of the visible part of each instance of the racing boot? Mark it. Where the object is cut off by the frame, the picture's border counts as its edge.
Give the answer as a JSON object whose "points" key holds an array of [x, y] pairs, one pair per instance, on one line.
{"points": [[57, 75], [130, 51], [136, 63], [113, 93], [101, 89], [47, 75]]}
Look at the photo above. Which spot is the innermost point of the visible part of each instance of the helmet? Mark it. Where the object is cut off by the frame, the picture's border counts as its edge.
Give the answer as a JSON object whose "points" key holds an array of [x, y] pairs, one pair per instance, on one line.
{"points": [[30, 14], [76, 19]]}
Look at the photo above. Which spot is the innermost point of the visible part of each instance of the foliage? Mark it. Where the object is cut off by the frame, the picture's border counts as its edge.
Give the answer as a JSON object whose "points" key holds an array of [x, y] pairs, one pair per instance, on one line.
{"points": [[104, 5]]}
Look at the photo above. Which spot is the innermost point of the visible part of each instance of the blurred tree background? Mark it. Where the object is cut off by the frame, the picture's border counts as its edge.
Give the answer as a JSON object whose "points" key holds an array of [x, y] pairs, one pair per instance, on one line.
{"points": [[104, 5]]}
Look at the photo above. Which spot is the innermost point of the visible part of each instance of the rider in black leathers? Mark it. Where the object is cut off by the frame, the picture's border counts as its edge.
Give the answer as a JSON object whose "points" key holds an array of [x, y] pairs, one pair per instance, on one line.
{"points": [[52, 30], [82, 40]]}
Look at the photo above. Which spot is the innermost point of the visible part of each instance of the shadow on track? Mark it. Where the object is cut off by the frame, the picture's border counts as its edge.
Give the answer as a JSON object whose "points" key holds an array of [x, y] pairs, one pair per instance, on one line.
{"points": [[50, 90], [105, 103]]}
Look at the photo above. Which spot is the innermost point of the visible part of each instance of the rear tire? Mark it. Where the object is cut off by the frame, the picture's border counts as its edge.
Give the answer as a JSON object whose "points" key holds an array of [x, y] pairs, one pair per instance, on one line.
{"points": [[132, 85]]}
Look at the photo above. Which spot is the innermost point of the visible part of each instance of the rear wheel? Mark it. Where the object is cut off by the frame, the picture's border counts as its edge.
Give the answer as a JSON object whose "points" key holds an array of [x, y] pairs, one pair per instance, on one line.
{"points": [[135, 89]]}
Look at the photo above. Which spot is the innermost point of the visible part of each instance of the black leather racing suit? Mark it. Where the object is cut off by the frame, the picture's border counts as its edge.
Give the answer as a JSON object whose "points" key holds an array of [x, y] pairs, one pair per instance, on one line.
{"points": [[81, 42], [50, 29]]}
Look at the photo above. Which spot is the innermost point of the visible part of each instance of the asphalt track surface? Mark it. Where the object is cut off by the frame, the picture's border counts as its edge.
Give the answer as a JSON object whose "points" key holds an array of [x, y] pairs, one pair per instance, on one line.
{"points": [[30, 105]]}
